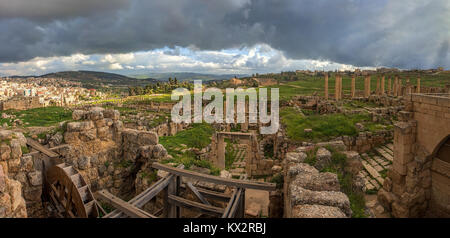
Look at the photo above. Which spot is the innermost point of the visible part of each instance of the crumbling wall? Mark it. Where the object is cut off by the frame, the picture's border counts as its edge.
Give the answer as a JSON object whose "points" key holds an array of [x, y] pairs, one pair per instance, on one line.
{"points": [[311, 194], [20, 103], [108, 155], [17, 175]]}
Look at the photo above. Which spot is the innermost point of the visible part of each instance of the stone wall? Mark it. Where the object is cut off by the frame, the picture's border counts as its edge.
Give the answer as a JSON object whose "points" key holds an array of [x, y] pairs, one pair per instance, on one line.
{"points": [[311, 194], [366, 141], [108, 155], [20, 103], [17, 175], [408, 188]]}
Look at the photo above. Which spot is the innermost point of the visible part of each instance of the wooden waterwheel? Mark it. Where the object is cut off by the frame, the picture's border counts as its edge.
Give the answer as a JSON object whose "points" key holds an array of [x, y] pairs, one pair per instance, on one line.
{"points": [[69, 192]]}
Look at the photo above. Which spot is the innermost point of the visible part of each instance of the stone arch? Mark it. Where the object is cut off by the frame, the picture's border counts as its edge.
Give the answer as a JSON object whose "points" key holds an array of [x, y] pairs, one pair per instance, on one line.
{"points": [[442, 149], [440, 179]]}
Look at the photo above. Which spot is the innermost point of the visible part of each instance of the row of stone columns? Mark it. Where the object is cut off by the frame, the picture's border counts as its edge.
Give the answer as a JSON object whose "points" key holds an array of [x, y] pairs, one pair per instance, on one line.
{"points": [[396, 89]]}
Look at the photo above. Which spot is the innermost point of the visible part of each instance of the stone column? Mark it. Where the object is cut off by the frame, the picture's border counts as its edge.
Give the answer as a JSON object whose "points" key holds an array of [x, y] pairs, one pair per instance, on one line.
{"points": [[378, 91], [326, 86], [418, 85], [336, 87], [396, 86], [367, 87], [353, 86], [400, 89], [382, 85], [340, 87], [389, 86]]}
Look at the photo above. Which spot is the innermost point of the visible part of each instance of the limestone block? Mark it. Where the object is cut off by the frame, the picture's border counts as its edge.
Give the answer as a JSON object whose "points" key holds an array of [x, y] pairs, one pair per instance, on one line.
{"points": [[159, 152], [301, 196], [323, 158], [88, 135], [80, 126], [317, 181], [15, 190], [5, 152], [147, 138], [35, 178], [112, 114], [96, 113], [26, 163], [78, 115]]}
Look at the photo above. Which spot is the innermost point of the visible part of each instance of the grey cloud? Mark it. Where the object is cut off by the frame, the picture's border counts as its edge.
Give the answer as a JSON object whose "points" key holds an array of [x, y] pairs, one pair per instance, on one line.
{"points": [[403, 33], [56, 9]]}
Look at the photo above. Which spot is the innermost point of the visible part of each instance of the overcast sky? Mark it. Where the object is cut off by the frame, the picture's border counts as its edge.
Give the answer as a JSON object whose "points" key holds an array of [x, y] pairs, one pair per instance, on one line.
{"points": [[221, 36]]}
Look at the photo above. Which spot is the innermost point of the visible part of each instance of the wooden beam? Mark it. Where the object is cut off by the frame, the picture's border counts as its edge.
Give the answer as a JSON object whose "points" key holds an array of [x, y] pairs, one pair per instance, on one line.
{"points": [[203, 208], [214, 179], [236, 203], [144, 197], [125, 207], [230, 204], [41, 148], [197, 193], [209, 193], [214, 195]]}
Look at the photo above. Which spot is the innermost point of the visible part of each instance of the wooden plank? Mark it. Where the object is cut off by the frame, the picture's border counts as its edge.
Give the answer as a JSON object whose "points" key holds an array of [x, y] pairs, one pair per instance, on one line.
{"points": [[197, 193], [125, 207], [172, 210], [230, 204], [209, 193], [41, 148], [200, 207], [236, 204], [214, 179], [214, 195], [144, 197]]}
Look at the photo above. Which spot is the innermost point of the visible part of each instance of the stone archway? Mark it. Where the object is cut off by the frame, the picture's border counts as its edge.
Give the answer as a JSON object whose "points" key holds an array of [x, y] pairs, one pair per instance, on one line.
{"points": [[440, 180]]}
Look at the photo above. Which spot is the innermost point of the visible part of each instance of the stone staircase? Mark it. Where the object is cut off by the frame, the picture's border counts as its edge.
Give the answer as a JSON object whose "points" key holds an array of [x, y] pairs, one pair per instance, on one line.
{"points": [[376, 165], [238, 168]]}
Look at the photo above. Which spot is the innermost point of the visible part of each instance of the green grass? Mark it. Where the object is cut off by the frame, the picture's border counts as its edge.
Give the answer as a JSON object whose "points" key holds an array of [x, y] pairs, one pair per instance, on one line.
{"points": [[356, 198], [230, 154], [199, 136], [188, 159], [324, 127], [44, 116]]}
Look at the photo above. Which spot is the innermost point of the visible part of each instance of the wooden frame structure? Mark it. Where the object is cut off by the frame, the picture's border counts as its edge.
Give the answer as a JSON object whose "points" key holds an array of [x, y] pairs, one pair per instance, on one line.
{"points": [[171, 188]]}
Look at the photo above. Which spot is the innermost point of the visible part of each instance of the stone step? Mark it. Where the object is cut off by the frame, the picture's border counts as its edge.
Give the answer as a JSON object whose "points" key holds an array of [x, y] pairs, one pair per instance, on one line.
{"points": [[389, 151], [372, 171], [384, 154], [390, 146]]}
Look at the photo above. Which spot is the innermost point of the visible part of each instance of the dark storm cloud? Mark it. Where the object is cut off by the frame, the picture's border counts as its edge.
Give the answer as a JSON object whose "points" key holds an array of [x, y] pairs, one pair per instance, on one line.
{"points": [[56, 9], [402, 33]]}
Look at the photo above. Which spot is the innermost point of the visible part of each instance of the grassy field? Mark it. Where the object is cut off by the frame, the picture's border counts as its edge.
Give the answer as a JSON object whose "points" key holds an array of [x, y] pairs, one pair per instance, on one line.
{"points": [[45, 116], [199, 136], [324, 127]]}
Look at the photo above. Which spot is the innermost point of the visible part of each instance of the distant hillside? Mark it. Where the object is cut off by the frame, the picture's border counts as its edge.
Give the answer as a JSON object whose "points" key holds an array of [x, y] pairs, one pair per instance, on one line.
{"points": [[93, 79], [187, 76]]}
